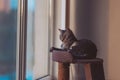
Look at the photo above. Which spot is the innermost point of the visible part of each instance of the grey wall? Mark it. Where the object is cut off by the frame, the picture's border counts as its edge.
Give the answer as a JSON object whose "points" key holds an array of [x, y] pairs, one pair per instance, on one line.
{"points": [[89, 19]]}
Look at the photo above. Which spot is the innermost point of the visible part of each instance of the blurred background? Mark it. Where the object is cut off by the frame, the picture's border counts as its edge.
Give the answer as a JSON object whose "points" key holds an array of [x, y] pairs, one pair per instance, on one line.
{"points": [[8, 38]]}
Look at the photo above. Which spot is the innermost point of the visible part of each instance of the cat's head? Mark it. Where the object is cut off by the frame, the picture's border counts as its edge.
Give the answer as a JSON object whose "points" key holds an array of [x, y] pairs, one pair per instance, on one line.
{"points": [[66, 34]]}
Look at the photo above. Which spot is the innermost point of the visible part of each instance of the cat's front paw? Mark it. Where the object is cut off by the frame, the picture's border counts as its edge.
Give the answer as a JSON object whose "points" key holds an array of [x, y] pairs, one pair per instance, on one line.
{"points": [[52, 48]]}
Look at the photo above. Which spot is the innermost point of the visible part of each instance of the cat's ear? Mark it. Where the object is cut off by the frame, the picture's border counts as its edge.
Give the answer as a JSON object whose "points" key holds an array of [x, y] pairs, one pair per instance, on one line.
{"points": [[60, 30]]}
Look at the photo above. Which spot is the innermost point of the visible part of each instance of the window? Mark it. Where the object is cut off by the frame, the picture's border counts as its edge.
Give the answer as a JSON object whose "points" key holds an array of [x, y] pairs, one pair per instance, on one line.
{"points": [[41, 36], [24, 39], [30, 39], [8, 31], [37, 51]]}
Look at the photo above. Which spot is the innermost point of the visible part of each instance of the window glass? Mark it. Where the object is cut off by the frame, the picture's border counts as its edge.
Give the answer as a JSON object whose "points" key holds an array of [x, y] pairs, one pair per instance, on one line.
{"points": [[30, 39], [8, 31], [41, 35], [37, 63]]}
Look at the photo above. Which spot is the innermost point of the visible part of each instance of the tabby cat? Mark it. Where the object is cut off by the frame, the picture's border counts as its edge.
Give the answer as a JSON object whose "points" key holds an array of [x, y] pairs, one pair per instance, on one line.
{"points": [[80, 49]]}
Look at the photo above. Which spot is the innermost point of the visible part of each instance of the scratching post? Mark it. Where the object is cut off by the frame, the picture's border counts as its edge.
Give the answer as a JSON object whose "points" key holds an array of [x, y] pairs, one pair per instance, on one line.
{"points": [[63, 71], [93, 67]]}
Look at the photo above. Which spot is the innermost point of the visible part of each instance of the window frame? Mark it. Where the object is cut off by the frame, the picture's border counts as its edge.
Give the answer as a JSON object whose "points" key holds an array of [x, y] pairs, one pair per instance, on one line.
{"points": [[22, 39]]}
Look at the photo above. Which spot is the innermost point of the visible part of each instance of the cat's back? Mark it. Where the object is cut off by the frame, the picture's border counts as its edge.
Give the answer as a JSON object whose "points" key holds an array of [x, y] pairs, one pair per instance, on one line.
{"points": [[84, 48]]}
